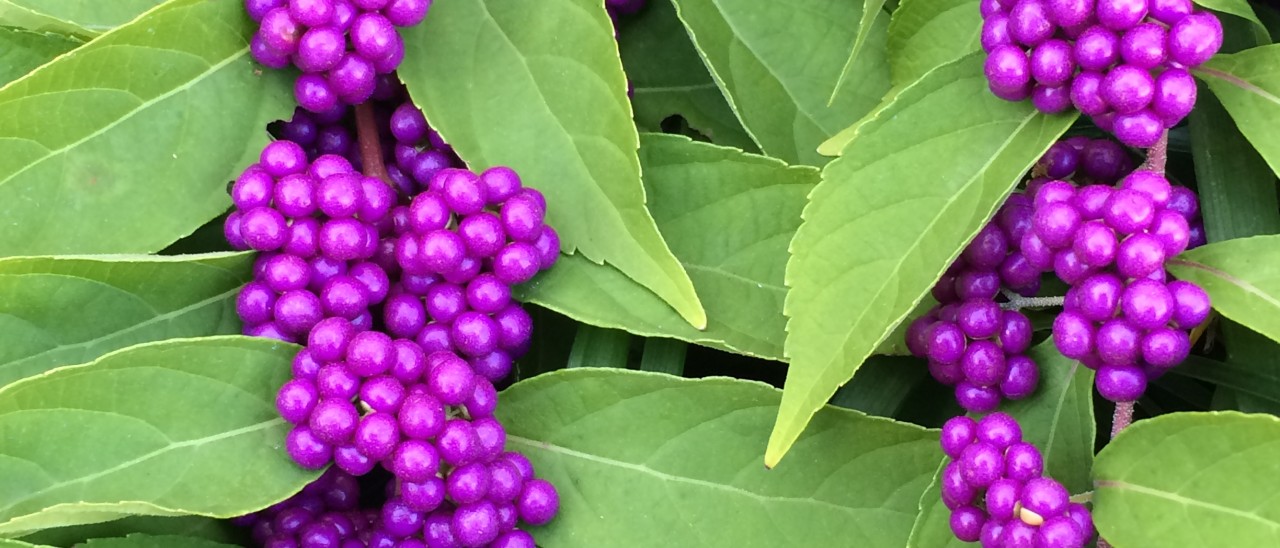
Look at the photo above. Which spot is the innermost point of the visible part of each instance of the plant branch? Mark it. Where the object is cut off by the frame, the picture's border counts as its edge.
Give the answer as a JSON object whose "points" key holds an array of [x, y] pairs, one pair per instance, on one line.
{"points": [[1018, 302], [370, 145], [1158, 154], [1122, 418]]}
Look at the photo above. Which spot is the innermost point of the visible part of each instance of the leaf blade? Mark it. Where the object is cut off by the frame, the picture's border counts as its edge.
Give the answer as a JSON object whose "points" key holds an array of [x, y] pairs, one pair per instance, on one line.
{"points": [[1248, 85], [956, 172], [924, 34], [1240, 277], [21, 51]]}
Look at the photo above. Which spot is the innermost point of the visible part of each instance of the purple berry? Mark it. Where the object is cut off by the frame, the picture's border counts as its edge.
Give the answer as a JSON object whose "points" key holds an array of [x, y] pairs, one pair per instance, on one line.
{"points": [[1121, 383], [1195, 38]]}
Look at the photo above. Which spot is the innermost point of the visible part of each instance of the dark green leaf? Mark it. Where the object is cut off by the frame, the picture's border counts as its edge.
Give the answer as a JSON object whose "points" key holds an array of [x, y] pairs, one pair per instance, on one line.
{"points": [[882, 385], [63, 310], [154, 541], [664, 356], [538, 86], [669, 78], [784, 104], [754, 205], [599, 347], [924, 34], [217, 530], [83, 17], [1248, 83], [128, 160], [1242, 276], [1237, 190], [1241, 376], [1057, 419], [688, 464], [889, 216], [185, 426], [1208, 476], [21, 51]]}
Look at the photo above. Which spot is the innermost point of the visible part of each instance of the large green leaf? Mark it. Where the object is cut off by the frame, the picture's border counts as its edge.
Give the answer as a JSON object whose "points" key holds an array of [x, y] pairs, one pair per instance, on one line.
{"points": [[669, 78], [1248, 83], [780, 83], [21, 51], [185, 426], [63, 310], [83, 17], [687, 466], [1241, 9], [1057, 419], [924, 34], [871, 10], [728, 217], [1184, 476], [888, 217], [1242, 276], [538, 86], [131, 158]]}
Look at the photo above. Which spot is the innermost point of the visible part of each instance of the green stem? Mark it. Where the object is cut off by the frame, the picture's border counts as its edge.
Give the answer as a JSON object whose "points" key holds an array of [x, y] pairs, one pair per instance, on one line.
{"points": [[664, 356]]}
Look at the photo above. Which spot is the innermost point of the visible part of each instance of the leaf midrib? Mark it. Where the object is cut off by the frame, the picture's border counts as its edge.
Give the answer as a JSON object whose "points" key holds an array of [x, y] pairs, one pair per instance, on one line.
{"points": [[1185, 501], [1244, 285]]}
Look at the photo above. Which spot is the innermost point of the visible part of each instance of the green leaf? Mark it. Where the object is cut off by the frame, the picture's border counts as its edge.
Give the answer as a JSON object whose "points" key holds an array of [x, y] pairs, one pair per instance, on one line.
{"points": [[1188, 476], [783, 103], [184, 426], [1242, 277], [882, 385], [924, 34], [664, 356], [1248, 83], [871, 10], [63, 310], [887, 219], [217, 530], [1240, 8], [21, 51], [1057, 419], [669, 78], [10, 543], [129, 160], [154, 541], [688, 465], [538, 86], [1237, 190], [754, 205], [84, 17]]}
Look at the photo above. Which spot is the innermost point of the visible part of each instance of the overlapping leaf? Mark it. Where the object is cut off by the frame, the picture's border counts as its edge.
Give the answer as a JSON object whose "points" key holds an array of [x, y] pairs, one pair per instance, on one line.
{"points": [[668, 78], [1204, 478], [1248, 84], [688, 471], [82, 17], [126, 144], [538, 86], [786, 105], [728, 217], [64, 310], [185, 426], [889, 216], [1242, 276], [924, 34], [21, 51]]}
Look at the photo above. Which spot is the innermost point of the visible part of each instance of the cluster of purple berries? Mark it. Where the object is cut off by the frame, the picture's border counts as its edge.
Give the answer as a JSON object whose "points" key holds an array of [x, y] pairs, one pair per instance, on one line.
{"points": [[406, 312], [997, 493], [328, 514], [341, 46], [1121, 316], [970, 342], [1124, 63]]}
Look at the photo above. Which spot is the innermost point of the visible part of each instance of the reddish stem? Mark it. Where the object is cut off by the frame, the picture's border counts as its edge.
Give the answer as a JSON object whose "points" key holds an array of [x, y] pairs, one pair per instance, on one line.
{"points": [[370, 145], [1158, 154]]}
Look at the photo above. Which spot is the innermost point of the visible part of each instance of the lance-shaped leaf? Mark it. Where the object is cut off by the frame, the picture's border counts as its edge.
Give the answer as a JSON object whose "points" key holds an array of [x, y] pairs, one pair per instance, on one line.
{"points": [[1248, 85], [126, 144], [63, 310], [888, 217], [688, 465], [784, 103], [24, 50], [1242, 277], [1185, 476], [668, 78], [185, 426], [538, 86], [728, 217], [82, 17], [924, 34]]}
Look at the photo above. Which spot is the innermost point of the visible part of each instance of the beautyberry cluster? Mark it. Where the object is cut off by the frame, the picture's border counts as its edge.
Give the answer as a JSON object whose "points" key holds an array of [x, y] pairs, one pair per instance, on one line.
{"points": [[1122, 316], [341, 46], [1124, 63], [970, 342], [995, 487]]}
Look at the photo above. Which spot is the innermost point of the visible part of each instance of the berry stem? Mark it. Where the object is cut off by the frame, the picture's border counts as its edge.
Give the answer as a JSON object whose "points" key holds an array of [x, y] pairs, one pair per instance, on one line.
{"points": [[1082, 498], [1122, 417], [1018, 302], [370, 145], [1158, 154]]}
